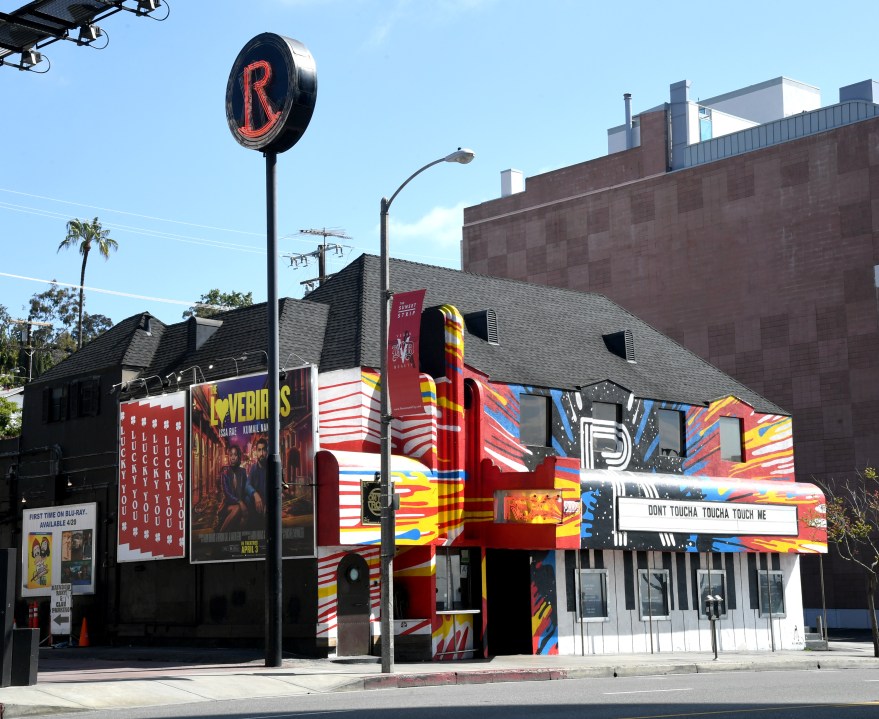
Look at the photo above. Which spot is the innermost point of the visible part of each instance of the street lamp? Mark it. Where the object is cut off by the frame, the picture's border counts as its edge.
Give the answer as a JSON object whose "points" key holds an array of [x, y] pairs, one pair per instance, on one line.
{"points": [[462, 156]]}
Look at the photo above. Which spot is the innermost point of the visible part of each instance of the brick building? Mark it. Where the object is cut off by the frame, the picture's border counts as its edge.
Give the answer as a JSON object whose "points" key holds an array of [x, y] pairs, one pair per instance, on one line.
{"points": [[744, 226]]}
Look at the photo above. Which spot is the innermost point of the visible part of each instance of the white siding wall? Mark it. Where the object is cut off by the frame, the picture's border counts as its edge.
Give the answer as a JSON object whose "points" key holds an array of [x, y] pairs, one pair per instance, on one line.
{"points": [[685, 630]]}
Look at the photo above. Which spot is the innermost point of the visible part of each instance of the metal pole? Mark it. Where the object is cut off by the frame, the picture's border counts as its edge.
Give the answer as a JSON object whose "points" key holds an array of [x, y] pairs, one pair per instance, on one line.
{"points": [[30, 355], [387, 513], [769, 599], [579, 602], [274, 583], [650, 604], [824, 633], [388, 529]]}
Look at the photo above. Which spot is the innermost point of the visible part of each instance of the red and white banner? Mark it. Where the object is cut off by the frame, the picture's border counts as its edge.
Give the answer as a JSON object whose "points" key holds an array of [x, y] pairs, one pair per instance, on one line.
{"points": [[152, 478], [404, 330]]}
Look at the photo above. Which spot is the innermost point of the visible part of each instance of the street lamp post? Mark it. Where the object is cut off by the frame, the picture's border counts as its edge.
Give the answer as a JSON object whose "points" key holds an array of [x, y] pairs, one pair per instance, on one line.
{"points": [[462, 156]]}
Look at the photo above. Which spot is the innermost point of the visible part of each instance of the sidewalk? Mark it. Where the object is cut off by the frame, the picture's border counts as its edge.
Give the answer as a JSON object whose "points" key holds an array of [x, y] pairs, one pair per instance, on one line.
{"points": [[73, 679]]}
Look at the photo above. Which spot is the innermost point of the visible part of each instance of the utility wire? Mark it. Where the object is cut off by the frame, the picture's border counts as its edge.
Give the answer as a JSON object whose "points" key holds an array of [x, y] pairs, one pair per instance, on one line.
{"points": [[105, 292]]}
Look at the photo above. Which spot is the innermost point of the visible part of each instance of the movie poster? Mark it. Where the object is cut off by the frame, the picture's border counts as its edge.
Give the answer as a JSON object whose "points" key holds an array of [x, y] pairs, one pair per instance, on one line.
{"points": [[152, 478], [59, 548], [229, 454]]}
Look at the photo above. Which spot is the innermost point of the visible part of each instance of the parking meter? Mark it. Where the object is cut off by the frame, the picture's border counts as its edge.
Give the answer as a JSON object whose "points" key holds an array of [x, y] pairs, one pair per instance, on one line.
{"points": [[713, 610]]}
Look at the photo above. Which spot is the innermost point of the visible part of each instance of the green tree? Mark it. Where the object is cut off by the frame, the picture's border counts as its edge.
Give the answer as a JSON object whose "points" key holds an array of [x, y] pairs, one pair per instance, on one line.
{"points": [[213, 302], [83, 234], [9, 343], [853, 527], [10, 419], [56, 309]]}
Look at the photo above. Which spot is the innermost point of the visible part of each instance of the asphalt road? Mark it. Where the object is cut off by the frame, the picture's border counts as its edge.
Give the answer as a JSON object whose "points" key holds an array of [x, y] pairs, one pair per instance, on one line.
{"points": [[814, 694]]}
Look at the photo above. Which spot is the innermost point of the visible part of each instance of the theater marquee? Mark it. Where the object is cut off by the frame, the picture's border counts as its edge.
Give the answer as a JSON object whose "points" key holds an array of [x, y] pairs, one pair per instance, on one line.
{"points": [[657, 515]]}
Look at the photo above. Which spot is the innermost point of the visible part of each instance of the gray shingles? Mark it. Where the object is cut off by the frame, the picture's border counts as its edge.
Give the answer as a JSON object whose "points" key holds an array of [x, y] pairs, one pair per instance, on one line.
{"points": [[549, 337]]}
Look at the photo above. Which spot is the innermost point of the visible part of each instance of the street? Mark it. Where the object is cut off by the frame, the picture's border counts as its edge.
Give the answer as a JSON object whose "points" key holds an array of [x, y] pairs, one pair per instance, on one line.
{"points": [[815, 694]]}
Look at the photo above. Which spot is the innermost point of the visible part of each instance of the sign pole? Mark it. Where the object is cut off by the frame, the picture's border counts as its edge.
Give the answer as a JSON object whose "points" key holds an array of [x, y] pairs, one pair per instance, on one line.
{"points": [[270, 99], [274, 563]]}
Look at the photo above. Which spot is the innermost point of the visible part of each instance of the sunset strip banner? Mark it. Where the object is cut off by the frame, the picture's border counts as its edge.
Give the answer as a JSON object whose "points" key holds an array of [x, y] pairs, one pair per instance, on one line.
{"points": [[404, 329]]}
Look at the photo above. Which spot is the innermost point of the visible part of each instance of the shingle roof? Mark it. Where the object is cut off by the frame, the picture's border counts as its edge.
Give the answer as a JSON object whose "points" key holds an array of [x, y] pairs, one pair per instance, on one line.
{"points": [[301, 327], [126, 343], [549, 337]]}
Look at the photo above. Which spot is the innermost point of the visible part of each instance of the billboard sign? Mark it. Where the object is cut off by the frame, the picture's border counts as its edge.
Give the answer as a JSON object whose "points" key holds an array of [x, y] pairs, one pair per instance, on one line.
{"points": [[152, 479], [228, 456], [58, 548]]}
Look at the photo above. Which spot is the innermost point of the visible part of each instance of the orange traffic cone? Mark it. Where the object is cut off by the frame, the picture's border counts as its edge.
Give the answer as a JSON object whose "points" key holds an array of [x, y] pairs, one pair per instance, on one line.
{"points": [[84, 634]]}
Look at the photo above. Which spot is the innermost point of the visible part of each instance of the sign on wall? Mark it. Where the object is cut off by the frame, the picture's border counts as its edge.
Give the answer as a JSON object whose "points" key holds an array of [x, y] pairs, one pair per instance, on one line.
{"points": [[228, 455], [530, 506], [58, 548], [152, 478]]}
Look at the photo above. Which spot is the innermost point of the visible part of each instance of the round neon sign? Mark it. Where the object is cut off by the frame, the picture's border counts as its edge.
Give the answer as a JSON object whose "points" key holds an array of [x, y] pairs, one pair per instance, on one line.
{"points": [[271, 93]]}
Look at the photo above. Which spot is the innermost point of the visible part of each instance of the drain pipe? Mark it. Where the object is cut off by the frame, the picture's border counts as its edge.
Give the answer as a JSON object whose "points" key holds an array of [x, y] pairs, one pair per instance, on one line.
{"points": [[627, 99]]}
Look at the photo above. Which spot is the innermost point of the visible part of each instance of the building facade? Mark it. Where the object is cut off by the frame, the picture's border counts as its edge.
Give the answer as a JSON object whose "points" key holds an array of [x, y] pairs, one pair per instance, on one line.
{"points": [[744, 227], [576, 481]]}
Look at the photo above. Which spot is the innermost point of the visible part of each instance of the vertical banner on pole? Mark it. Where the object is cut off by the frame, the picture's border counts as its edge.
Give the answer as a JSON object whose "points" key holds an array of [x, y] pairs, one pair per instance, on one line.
{"points": [[404, 329]]}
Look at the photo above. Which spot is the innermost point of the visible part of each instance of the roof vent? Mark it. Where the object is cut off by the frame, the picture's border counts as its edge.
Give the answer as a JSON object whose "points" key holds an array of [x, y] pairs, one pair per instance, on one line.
{"points": [[147, 323], [200, 330], [622, 344], [483, 324], [512, 182]]}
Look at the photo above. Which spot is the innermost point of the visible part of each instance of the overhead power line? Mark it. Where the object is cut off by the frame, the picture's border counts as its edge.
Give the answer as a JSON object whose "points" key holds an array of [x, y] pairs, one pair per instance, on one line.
{"points": [[187, 303], [320, 254]]}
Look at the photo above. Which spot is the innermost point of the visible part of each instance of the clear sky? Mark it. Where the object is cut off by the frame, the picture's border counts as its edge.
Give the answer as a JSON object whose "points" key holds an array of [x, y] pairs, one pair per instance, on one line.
{"points": [[136, 134]]}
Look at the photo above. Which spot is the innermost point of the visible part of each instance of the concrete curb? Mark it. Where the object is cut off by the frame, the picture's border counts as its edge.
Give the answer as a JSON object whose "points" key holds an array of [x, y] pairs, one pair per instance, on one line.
{"points": [[49, 698]]}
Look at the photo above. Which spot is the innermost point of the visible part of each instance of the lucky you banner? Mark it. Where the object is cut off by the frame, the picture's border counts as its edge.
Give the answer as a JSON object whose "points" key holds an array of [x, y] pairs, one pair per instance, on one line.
{"points": [[152, 478]]}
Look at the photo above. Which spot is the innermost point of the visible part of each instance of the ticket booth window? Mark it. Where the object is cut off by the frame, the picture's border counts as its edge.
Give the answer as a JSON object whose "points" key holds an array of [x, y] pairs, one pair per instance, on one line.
{"points": [[457, 585]]}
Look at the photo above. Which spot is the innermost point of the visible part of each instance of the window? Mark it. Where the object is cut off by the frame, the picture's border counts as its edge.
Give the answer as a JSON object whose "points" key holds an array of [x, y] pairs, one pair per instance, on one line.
{"points": [[671, 432], [55, 404], [84, 397], [705, 130], [712, 582], [593, 594], [457, 579], [731, 439], [605, 417], [533, 420], [653, 592], [771, 585]]}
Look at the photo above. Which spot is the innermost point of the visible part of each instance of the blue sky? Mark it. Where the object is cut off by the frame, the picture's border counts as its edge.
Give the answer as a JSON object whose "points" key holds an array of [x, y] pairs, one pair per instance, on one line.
{"points": [[136, 134]]}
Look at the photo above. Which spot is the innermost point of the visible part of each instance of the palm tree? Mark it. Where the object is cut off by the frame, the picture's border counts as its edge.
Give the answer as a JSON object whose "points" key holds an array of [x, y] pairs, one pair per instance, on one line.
{"points": [[81, 234]]}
